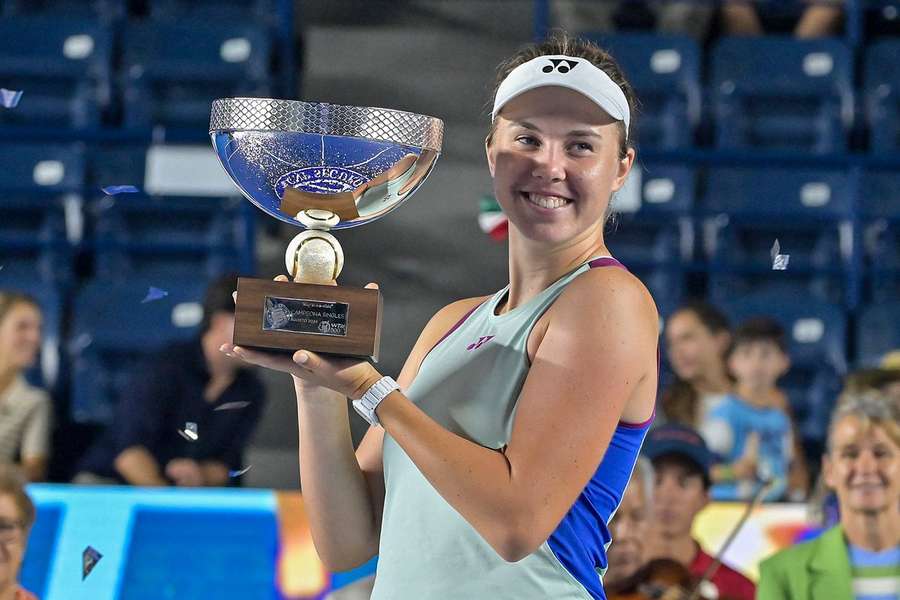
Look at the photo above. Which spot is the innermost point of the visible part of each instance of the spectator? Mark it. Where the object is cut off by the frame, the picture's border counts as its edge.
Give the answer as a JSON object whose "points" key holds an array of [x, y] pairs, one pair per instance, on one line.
{"points": [[859, 557], [16, 518], [629, 526], [885, 379], [681, 462], [669, 17], [750, 431], [697, 337], [24, 409], [808, 18], [146, 444]]}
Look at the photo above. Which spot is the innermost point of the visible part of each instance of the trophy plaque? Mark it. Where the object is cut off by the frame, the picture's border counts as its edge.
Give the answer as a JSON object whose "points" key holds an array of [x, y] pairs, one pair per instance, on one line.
{"points": [[320, 167]]}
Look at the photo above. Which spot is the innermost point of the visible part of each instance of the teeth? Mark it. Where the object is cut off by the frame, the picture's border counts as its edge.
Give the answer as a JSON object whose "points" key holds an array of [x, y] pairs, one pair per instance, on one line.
{"points": [[547, 201]]}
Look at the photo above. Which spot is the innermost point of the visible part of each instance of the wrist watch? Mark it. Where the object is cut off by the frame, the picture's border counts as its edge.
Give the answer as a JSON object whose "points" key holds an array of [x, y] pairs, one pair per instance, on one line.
{"points": [[366, 405]]}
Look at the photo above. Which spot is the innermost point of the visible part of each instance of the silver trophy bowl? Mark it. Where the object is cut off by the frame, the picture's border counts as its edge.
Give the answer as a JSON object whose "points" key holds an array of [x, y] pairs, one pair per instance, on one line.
{"points": [[323, 166]]}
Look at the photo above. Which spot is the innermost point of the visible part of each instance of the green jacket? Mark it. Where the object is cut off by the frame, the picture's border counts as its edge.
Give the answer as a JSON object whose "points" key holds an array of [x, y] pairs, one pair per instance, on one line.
{"points": [[815, 570]]}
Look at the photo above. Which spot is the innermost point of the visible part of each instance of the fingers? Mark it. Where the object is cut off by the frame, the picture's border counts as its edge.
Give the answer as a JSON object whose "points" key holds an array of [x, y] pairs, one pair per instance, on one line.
{"points": [[234, 297], [281, 278], [307, 360], [371, 286]]}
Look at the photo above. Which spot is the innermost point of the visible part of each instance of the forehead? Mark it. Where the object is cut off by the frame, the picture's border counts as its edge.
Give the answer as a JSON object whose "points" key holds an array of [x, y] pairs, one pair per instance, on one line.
{"points": [[8, 508], [21, 310], [683, 322], [554, 103], [852, 430]]}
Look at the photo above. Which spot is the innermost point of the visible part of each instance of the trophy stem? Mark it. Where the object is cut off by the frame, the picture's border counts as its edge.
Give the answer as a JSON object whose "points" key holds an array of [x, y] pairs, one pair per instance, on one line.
{"points": [[314, 256]]}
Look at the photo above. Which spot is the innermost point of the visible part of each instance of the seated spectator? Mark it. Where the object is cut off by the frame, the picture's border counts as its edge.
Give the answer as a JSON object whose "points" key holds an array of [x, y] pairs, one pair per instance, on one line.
{"points": [[807, 18], [146, 443], [859, 557], [629, 527], [885, 379], [681, 462], [25, 410], [697, 338], [667, 16], [16, 518], [751, 432]]}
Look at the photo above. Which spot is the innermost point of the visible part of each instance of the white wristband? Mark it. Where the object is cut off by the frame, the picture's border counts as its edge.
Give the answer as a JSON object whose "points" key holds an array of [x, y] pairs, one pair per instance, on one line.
{"points": [[366, 405]]}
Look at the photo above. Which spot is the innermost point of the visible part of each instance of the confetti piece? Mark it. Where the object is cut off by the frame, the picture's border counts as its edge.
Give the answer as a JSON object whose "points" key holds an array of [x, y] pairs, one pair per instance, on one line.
{"points": [[779, 260], [776, 249], [239, 472], [112, 190], [154, 294], [89, 560], [233, 405], [10, 98], [189, 432]]}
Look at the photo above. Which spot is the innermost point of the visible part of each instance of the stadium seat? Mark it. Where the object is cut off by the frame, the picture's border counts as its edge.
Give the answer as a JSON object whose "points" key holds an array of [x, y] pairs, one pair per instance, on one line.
{"points": [[113, 329], [173, 72], [782, 93], [40, 187], [880, 219], [745, 210], [881, 88], [107, 10], [665, 73], [159, 237], [816, 336], [227, 11], [62, 66], [877, 332]]}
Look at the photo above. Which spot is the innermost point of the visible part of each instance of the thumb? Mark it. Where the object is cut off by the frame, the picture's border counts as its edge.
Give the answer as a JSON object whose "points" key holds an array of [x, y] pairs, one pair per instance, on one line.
{"points": [[307, 360], [372, 286]]}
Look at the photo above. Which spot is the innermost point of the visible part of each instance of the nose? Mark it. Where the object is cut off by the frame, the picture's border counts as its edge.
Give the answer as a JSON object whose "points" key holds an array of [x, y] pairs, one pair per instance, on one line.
{"points": [[549, 164], [866, 462]]}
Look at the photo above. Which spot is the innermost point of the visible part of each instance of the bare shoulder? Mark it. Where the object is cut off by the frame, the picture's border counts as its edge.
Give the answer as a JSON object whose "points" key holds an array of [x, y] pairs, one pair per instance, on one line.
{"points": [[610, 293], [444, 319]]}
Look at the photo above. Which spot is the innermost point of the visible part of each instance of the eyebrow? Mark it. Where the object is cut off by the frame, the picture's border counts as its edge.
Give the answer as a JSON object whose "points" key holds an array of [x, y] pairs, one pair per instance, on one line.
{"points": [[573, 133]]}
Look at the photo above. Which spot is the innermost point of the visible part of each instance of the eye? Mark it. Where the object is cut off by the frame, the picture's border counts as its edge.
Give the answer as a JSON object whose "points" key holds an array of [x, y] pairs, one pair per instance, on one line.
{"points": [[527, 140], [582, 147]]}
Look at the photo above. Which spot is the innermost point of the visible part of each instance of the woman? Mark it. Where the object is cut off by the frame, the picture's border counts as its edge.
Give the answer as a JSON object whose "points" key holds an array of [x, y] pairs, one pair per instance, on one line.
{"points": [[860, 556], [697, 338], [17, 514], [492, 471], [25, 409]]}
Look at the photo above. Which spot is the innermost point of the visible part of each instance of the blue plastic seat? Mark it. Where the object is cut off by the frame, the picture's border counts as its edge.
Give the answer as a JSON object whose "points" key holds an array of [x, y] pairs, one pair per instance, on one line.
{"points": [[881, 88], [665, 73], [782, 93], [877, 332], [41, 206], [880, 217], [113, 330], [173, 72], [816, 333], [107, 10], [62, 66], [745, 210], [225, 11]]}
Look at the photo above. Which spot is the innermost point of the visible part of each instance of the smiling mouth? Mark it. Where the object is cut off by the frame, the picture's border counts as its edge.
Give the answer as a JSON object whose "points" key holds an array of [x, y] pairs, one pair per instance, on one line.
{"points": [[545, 201]]}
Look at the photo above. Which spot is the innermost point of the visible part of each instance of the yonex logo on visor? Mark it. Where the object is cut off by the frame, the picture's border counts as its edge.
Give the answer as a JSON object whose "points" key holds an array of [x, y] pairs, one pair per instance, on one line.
{"points": [[565, 71], [561, 65]]}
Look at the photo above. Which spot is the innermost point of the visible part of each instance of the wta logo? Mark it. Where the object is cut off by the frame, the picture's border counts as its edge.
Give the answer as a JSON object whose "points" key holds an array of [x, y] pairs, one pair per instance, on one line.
{"points": [[481, 341]]}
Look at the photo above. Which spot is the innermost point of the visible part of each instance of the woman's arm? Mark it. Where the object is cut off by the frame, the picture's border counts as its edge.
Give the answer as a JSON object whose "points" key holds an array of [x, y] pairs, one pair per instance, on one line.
{"points": [[343, 491], [592, 368]]}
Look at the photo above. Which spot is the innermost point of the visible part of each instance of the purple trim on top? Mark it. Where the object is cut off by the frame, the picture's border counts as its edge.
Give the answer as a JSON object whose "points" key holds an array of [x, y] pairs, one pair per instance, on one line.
{"points": [[606, 261], [641, 425], [454, 328]]}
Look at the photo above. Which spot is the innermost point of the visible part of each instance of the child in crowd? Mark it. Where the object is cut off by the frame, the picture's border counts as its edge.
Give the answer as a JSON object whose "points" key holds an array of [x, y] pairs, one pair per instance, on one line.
{"points": [[750, 432]]}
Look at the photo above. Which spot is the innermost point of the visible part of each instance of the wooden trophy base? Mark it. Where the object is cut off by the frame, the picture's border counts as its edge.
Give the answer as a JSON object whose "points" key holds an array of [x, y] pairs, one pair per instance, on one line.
{"points": [[283, 316]]}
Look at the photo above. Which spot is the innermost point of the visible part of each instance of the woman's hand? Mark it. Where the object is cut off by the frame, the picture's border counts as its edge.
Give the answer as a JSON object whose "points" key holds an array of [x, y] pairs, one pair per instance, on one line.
{"points": [[349, 377]]}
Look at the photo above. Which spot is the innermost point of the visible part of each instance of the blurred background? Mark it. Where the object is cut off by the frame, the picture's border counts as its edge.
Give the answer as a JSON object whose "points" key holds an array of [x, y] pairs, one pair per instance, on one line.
{"points": [[749, 132]]}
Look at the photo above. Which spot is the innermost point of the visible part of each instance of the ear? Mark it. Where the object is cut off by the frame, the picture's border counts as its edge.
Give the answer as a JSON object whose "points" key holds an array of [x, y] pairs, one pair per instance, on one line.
{"points": [[723, 341], [785, 363], [828, 471], [623, 168], [490, 157]]}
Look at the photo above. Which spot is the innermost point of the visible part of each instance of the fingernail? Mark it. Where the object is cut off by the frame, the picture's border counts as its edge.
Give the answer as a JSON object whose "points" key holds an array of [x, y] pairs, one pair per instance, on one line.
{"points": [[302, 357]]}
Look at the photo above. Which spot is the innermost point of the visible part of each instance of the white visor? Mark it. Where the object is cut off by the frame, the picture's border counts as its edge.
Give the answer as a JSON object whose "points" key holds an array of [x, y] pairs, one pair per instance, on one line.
{"points": [[568, 72]]}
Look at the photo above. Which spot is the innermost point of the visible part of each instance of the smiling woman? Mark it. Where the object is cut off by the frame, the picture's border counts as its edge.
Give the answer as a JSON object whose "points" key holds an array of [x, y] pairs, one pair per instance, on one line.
{"points": [[496, 460], [16, 518]]}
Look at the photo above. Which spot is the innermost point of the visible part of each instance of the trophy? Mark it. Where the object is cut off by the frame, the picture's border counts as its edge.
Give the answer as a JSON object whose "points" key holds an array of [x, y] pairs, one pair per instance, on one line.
{"points": [[319, 167]]}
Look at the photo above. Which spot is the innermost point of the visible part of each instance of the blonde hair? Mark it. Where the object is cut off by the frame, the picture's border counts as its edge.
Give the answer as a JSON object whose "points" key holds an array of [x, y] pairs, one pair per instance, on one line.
{"points": [[12, 483], [9, 299], [872, 408]]}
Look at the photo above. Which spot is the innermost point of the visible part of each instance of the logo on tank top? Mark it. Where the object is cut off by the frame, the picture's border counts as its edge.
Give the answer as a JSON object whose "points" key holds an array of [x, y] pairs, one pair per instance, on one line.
{"points": [[481, 341]]}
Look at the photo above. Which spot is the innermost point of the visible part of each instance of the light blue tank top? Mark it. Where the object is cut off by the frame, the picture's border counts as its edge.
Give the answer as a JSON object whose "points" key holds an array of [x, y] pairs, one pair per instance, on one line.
{"points": [[470, 383]]}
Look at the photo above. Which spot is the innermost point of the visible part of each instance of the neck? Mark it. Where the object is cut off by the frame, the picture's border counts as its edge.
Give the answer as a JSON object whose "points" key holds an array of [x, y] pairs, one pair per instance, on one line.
{"points": [[532, 268], [8, 375], [873, 531], [759, 397], [714, 382]]}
